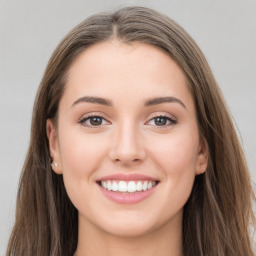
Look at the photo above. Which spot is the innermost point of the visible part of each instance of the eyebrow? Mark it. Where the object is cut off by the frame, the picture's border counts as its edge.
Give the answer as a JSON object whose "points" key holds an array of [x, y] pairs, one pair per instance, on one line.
{"points": [[160, 100], [149, 102], [95, 100]]}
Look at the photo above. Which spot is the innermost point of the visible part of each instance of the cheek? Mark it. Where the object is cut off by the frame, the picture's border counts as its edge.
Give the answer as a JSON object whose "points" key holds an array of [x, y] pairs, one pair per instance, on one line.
{"points": [[176, 155], [80, 153]]}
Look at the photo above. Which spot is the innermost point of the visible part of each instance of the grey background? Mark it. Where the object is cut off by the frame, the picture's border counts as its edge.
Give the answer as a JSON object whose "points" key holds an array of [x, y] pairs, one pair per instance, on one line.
{"points": [[30, 30]]}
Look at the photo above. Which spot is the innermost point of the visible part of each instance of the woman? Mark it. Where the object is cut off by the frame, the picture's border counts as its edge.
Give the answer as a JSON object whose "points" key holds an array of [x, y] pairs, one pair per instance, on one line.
{"points": [[132, 150]]}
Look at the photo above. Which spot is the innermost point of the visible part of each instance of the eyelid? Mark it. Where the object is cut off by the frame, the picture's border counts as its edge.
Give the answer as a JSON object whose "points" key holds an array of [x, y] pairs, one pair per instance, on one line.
{"points": [[93, 114], [163, 114], [171, 118], [96, 113]]}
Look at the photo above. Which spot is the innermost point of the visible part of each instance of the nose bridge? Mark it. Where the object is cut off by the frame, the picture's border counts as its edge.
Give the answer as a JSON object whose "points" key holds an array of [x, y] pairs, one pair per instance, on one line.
{"points": [[127, 147]]}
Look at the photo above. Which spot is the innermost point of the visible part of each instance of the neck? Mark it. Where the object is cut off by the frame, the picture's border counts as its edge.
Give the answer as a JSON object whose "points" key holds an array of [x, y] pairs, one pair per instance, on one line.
{"points": [[166, 240]]}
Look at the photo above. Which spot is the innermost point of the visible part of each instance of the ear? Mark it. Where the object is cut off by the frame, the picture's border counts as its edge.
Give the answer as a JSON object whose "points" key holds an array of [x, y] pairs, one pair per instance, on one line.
{"points": [[53, 146], [202, 157]]}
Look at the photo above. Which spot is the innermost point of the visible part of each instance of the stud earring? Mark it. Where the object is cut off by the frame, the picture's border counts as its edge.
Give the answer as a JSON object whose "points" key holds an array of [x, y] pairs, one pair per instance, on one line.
{"points": [[55, 164]]}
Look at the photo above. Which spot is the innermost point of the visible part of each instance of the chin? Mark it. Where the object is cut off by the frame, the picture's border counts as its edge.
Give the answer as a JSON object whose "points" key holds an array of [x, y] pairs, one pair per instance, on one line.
{"points": [[136, 223], [129, 231]]}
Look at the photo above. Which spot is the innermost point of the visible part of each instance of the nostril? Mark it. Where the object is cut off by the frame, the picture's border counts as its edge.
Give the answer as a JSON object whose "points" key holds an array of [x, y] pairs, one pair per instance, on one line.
{"points": [[127, 161]]}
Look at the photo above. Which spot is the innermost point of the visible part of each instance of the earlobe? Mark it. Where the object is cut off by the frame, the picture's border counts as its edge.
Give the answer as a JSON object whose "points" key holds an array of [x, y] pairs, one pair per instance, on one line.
{"points": [[202, 158], [53, 146]]}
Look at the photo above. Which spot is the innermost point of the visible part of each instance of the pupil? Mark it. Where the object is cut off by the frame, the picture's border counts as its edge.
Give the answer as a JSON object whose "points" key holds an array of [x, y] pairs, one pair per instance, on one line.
{"points": [[96, 121], [160, 121]]}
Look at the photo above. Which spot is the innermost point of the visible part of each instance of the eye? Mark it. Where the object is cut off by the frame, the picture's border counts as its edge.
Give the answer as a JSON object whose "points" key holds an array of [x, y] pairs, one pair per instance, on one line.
{"points": [[92, 121], [161, 121]]}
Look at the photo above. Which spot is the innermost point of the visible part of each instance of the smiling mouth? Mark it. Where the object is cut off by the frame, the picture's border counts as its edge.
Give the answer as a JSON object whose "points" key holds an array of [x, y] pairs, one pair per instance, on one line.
{"points": [[121, 186]]}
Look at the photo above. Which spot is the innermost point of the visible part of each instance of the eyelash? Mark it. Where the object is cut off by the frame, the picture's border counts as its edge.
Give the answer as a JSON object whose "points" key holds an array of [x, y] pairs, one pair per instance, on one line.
{"points": [[166, 118], [91, 116]]}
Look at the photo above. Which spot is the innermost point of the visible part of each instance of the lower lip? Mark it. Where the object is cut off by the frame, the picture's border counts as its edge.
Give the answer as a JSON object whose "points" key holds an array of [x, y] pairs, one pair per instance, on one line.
{"points": [[127, 198]]}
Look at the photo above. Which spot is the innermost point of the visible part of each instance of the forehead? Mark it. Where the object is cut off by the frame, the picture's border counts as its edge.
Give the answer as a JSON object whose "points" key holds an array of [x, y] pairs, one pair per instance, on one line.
{"points": [[136, 70]]}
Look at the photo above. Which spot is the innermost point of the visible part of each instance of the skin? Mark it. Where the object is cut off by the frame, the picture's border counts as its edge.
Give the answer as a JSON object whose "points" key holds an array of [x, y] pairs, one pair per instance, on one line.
{"points": [[129, 140]]}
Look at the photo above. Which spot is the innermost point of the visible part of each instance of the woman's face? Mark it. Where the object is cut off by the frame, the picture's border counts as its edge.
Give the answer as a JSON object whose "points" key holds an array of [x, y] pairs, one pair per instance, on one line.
{"points": [[127, 141]]}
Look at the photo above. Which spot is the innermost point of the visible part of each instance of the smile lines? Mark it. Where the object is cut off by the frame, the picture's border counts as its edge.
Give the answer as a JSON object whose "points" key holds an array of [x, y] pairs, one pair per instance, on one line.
{"points": [[127, 186]]}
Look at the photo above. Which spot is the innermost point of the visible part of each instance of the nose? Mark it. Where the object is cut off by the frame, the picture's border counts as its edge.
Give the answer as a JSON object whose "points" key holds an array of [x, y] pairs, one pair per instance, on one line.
{"points": [[127, 146]]}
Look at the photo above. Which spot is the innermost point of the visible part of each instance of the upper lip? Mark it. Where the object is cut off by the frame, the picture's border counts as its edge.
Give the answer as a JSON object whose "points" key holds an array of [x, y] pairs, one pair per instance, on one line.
{"points": [[127, 177]]}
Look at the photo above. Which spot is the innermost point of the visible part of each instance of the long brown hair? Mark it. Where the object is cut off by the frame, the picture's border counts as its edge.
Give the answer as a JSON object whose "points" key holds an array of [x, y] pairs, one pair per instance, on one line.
{"points": [[218, 214]]}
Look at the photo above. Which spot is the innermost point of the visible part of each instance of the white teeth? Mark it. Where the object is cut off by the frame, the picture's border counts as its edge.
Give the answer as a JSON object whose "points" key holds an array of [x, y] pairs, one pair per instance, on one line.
{"points": [[109, 185], [145, 186], [131, 186], [127, 186], [139, 186], [104, 184], [122, 186], [114, 186]]}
